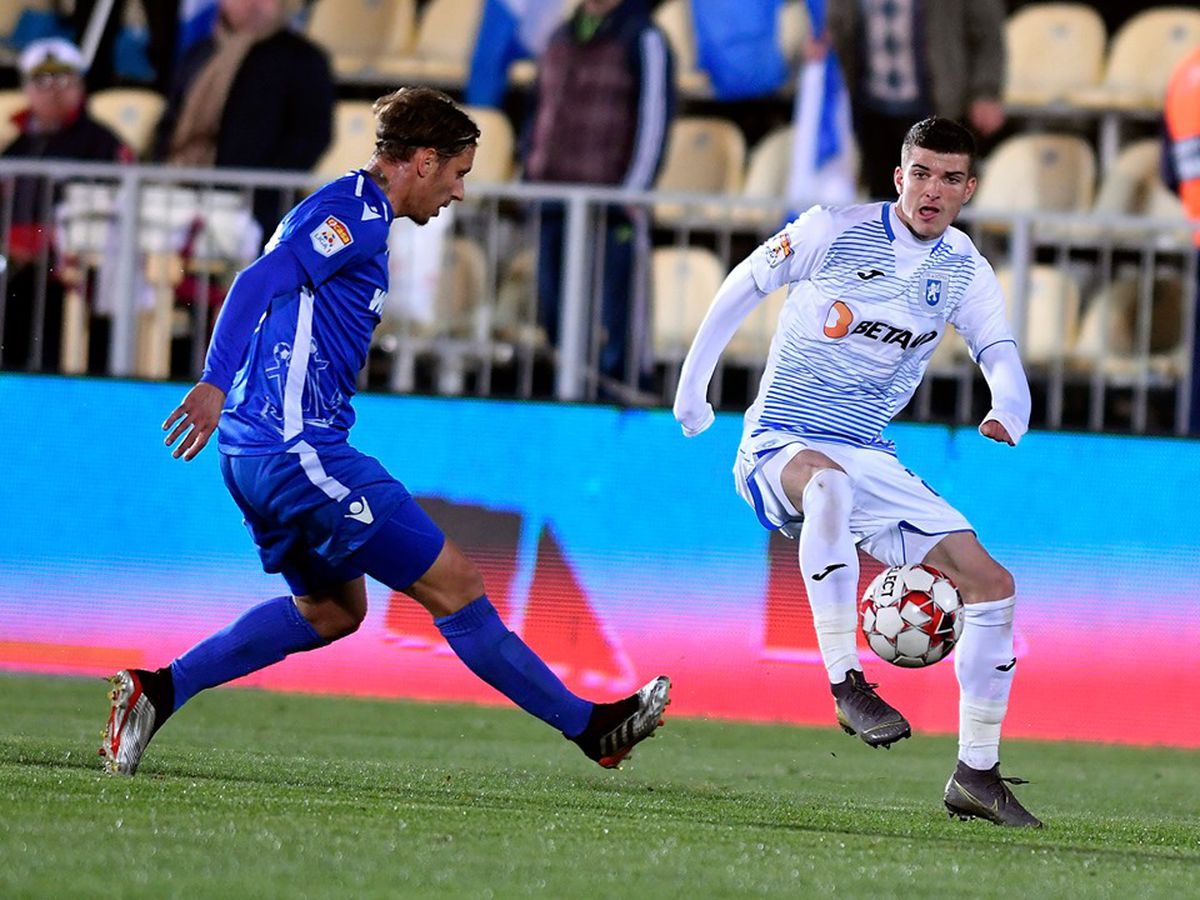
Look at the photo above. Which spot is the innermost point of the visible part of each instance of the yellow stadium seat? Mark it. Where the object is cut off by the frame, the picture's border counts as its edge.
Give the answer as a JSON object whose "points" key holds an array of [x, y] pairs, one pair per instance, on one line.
{"points": [[1108, 334], [353, 139], [684, 281], [752, 341], [1143, 54], [355, 32], [950, 355], [1053, 49], [1038, 172], [1051, 313], [1133, 186], [441, 53], [767, 174], [494, 155], [704, 156], [132, 113]]}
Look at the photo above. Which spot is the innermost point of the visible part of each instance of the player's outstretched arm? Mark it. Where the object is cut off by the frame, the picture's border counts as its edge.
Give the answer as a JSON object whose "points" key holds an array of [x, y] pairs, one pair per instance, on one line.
{"points": [[736, 298], [274, 274], [195, 419], [1008, 419]]}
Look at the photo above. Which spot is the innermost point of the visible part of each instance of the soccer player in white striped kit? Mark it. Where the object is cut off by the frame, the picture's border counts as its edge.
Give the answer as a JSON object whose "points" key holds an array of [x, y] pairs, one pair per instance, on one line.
{"points": [[872, 288]]}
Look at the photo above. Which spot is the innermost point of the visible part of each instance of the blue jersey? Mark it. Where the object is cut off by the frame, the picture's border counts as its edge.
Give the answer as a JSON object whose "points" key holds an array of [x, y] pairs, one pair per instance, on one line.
{"points": [[301, 369]]}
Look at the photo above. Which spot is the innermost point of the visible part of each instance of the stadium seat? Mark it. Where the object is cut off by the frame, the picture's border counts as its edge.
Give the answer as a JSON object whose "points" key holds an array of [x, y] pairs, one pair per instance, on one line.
{"points": [[494, 156], [704, 156], [516, 317], [353, 139], [355, 32], [1051, 313], [767, 174], [463, 292], [950, 355], [683, 282], [1133, 186], [1143, 53], [1053, 49], [1109, 332], [11, 103], [1038, 172], [752, 341], [132, 113], [441, 53]]}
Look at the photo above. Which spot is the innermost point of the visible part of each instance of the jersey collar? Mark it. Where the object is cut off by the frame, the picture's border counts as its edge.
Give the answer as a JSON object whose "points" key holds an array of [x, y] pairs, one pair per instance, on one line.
{"points": [[369, 191], [897, 230]]}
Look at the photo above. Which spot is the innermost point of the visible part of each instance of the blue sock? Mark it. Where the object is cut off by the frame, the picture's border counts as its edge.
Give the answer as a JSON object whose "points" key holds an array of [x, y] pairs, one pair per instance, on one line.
{"points": [[500, 658], [263, 635]]}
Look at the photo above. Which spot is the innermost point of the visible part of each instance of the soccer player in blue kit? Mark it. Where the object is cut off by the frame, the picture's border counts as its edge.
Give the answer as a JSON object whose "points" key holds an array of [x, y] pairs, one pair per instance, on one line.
{"points": [[280, 372]]}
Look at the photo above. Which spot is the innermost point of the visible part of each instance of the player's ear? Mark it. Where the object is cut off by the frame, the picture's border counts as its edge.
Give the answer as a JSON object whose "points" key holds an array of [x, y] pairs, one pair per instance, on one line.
{"points": [[972, 182], [898, 178], [427, 160]]}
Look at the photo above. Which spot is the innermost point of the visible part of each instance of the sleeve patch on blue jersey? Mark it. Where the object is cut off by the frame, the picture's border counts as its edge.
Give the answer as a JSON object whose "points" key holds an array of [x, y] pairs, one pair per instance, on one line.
{"points": [[330, 236], [778, 248]]}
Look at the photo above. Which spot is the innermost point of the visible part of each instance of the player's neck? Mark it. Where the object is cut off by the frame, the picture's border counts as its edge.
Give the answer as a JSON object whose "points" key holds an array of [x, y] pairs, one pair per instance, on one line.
{"points": [[899, 213]]}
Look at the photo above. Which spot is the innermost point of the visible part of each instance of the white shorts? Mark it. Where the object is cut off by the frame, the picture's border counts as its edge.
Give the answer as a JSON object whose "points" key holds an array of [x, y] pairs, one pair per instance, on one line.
{"points": [[897, 517]]}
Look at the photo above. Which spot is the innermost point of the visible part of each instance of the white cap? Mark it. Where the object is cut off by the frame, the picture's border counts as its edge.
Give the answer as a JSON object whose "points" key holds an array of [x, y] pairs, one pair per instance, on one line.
{"points": [[51, 55]]}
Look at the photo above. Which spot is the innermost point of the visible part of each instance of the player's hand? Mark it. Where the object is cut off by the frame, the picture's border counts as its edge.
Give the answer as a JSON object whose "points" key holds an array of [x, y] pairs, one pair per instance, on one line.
{"points": [[195, 419], [693, 417], [997, 432], [986, 115]]}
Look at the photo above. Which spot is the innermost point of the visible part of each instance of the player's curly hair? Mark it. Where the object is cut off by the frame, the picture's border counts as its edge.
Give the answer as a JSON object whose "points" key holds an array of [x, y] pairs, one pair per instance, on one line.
{"points": [[941, 136], [415, 117]]}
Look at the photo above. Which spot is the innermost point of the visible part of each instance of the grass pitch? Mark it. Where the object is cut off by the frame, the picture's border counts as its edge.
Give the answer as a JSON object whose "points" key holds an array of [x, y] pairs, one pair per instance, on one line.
{"points": [[255, 794]]}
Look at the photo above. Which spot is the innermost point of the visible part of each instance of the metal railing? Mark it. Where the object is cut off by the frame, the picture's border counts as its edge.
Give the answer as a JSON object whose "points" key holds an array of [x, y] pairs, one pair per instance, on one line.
{"points": [[1103, 306]]}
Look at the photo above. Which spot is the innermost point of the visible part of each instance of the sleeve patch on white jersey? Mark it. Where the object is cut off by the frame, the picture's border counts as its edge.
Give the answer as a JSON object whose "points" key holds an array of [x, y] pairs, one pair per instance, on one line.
{"points": [[331, 236], [778, 248]]}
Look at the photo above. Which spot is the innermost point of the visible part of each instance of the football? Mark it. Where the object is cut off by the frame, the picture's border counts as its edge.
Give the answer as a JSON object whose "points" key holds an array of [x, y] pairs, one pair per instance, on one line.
{"points": [[911, 616]]}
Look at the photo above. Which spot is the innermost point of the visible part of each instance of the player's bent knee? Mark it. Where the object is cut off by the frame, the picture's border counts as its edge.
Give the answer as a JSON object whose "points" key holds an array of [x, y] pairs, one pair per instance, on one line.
{"points": [[995, 583], [451, 583]]}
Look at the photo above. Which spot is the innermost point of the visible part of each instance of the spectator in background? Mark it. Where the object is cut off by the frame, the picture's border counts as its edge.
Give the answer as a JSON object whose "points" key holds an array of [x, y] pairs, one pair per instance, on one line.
{"points": [[56, 125], [904, 60], [1181, 171], [601, 108], [255, 95]]}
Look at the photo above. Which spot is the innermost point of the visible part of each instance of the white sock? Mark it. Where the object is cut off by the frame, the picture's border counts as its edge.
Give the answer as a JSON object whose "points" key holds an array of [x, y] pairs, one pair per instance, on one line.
{"points": [[829, 564], [983, 662]]}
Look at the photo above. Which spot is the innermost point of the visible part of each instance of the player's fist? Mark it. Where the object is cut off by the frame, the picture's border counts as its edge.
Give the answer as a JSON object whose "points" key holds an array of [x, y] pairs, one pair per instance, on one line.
{"points": [[997, 432], [693, 415]]}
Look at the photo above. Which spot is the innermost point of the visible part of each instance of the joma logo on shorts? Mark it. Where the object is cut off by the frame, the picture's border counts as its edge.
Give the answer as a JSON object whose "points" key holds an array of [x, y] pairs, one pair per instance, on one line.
{"points": [[840, 318]]}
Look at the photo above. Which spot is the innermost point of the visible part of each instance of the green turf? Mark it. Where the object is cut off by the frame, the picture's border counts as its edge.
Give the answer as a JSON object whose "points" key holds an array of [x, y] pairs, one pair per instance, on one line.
{"points": [[256, 794]]}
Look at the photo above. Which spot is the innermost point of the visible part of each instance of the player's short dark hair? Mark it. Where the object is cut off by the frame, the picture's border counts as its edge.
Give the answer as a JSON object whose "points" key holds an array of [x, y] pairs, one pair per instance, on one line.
{"points": [[415, 117], [941, 136]]}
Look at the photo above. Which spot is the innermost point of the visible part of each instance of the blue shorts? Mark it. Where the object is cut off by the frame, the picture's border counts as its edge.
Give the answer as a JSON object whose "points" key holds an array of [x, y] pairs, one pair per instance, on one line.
{"points": [[309, 511]]}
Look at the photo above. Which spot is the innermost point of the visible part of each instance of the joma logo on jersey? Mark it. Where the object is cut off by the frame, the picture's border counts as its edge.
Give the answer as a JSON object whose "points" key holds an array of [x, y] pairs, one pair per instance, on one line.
{"points": [[841, 317]]}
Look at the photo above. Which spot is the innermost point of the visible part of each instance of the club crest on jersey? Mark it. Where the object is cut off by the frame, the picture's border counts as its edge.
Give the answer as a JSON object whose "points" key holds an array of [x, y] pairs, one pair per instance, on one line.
{"points": [[330, 236], [779, 248], [933, 291]]}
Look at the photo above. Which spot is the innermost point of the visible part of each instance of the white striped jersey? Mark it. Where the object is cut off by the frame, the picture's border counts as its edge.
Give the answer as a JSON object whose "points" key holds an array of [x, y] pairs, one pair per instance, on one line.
{"points": [[302, 365], [867, 306]]}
